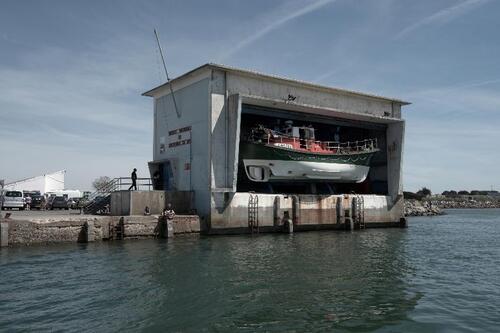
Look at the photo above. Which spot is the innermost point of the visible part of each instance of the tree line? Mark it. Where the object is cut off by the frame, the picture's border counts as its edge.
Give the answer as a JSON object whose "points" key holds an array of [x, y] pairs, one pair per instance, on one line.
{"points": [[425, 192]]}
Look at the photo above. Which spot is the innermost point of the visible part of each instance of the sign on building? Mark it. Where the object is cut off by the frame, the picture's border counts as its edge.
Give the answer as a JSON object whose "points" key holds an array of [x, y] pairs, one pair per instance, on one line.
{"points": [[179, 137]]}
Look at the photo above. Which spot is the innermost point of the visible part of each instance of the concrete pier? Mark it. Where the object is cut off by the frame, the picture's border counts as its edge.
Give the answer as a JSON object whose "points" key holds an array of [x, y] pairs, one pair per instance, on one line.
{"points": [[27, 230], [4, 234], [167, 227], [307, 212]]}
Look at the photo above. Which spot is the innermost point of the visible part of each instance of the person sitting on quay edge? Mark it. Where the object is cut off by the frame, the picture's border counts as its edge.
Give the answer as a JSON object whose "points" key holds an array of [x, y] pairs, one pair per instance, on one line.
{"points": [[147, 211], [169, 213], [133, 176]]}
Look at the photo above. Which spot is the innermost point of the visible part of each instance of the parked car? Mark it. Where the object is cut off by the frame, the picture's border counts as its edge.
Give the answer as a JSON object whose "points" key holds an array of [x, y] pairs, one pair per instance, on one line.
{"points": [[13, 199], [59, 203], [37, 201], [49, 200]]}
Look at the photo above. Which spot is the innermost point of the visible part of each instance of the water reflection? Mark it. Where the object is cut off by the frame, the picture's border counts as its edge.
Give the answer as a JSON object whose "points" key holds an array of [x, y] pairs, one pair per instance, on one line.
{"points": [[372, 280], [328, 280]]}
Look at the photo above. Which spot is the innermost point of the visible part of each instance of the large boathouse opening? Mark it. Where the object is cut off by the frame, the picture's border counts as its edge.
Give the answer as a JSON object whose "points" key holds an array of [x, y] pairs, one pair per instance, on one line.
{"points": [[325, 129]]}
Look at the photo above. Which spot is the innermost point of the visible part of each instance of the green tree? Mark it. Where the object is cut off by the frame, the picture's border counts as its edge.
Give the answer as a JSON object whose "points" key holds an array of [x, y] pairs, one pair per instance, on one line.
{"points": [[424, 192], [101, 183]]}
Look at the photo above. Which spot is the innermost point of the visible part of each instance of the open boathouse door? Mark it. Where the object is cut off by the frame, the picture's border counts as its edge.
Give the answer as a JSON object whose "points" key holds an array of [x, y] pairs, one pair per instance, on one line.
{"points": [[161, 175]]}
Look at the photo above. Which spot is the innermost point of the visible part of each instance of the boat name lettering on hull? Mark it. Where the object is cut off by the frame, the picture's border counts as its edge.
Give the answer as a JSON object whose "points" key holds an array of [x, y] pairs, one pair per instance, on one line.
{"points": [[284, 145]]}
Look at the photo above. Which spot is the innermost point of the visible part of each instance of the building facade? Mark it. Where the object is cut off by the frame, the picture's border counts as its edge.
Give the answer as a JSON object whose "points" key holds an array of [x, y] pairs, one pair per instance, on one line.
{"points": [[196, 147]]}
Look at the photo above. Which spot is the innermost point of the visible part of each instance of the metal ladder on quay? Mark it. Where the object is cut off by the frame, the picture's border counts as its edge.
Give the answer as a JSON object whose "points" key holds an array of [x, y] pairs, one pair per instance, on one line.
{"points": [[359, 211], [253, 213], [116, 231]]}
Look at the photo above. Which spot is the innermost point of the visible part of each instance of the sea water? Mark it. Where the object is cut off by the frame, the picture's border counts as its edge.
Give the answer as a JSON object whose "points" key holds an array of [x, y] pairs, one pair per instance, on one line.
{"points": [[441, 274]]}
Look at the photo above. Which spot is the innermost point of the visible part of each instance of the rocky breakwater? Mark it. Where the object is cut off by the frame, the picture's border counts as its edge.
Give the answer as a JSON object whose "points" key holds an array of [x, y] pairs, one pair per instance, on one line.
{"points": [[464, 203], [415, 207]]}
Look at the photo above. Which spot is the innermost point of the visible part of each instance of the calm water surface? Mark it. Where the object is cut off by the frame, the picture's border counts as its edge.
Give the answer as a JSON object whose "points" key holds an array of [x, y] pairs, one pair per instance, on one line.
{"points": [[442, 274]]}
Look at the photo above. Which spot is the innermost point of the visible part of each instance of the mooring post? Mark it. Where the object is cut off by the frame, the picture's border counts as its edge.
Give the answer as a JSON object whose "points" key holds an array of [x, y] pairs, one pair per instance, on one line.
{"points": [[288, 226], [4, 234], [354, 213], [295, 209], [170, 228], [120, 232], [89, 231], [276, 211], [167, 227], [287, 223], [348, 217], [340, 210]]}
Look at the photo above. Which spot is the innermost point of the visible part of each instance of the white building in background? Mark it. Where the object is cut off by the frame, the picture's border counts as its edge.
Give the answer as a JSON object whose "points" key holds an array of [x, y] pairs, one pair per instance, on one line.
{"points": [[51, 182]]}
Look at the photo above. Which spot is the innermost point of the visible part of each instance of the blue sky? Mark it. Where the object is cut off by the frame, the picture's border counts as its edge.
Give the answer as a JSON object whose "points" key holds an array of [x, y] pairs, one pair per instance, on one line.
{"points": [[71, 75]]}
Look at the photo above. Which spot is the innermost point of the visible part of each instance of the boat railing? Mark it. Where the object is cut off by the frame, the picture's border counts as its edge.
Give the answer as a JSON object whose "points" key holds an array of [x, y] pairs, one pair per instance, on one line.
{"points": [[366, 145], [350, 146]]}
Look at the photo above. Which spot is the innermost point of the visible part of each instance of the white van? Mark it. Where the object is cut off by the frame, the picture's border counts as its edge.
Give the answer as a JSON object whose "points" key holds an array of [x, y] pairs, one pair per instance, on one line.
{"points": [[13, 199]]}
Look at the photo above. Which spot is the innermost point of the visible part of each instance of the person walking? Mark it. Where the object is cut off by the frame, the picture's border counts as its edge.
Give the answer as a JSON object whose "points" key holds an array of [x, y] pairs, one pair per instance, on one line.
{"points": [[133, 176]]}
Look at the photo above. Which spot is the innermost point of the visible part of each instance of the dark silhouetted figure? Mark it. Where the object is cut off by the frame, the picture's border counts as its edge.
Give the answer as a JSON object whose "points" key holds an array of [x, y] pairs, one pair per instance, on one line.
{"points": [[133, 176], [156, 181]]}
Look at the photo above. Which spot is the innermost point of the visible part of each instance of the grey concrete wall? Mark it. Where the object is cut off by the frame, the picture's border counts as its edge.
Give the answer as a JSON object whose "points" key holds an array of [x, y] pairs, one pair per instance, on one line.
{"points": [[27, 232], [225, 120], [231, 211], [395, 145], [124, 203], [193, 102], [276, 90], [155, 200], [120, 203]]}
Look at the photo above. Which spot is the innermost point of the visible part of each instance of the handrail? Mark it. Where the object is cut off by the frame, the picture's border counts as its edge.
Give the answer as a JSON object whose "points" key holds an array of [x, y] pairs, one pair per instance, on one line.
{"points": [[117, 184], [124, 182], [365, 145]]}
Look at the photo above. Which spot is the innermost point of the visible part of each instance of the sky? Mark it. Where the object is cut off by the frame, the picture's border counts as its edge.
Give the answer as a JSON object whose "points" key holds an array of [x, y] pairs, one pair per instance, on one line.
{"points": [[72, 74]]}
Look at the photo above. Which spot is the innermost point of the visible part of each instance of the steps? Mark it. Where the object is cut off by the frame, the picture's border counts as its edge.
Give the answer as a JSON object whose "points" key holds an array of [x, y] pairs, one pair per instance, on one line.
{"points": [[99, 201]]}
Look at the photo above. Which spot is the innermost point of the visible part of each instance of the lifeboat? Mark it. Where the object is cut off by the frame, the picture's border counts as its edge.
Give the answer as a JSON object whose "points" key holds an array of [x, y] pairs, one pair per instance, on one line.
{"points": [[294, 154]]}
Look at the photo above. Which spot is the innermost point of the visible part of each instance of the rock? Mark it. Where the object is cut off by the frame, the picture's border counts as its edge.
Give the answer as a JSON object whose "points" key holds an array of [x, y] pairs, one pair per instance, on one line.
{"points": [[421, 208]]}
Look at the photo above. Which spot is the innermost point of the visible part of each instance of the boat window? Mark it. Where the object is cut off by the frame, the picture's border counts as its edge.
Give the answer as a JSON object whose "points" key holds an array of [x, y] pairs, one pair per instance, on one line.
{"points": [[13, 194], [303, 137]]}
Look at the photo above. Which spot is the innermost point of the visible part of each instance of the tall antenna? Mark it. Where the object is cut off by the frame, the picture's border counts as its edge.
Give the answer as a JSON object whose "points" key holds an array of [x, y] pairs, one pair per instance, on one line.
{"points": [[166, 73]]}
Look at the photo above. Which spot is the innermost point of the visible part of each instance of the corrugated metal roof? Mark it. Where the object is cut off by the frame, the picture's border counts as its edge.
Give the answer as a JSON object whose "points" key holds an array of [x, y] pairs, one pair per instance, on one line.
{"points": [[275, 77]]}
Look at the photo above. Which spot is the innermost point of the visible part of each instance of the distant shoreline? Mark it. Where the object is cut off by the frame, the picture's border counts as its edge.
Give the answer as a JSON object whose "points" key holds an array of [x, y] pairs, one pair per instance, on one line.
{"points": [[431, 206]]}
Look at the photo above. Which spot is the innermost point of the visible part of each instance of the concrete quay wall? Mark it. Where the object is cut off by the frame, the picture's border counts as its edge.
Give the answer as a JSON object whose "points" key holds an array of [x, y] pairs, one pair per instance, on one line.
{"points": [[233, 213], [134, 202], [89, 229]]}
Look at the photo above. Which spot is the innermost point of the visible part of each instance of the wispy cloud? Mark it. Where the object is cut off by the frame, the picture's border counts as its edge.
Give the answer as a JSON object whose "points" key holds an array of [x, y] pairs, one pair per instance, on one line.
{"points": [[474, 84], [472, 97], [275, 24], [443, 16]]}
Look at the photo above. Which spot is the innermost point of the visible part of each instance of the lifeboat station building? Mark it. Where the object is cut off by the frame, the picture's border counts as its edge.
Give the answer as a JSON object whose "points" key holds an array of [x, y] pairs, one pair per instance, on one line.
{"points": [[256, 152]]}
